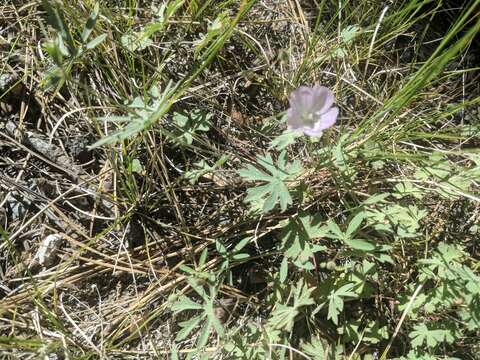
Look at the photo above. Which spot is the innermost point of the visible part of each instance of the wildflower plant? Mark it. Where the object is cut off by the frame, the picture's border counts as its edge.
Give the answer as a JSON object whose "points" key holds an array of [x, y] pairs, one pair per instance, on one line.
{"points": [[362, 246], [63, 49]]}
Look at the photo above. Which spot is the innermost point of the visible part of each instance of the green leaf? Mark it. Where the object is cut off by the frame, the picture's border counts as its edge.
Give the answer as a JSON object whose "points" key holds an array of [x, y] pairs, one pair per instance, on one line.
{"points": [[335, 301], [335, 230], [275, 191], [196, 284], [187, 269], [215, 30], [135, 42], [431, 337], [283, 316], [395, 218], [242, 244], [209, 310], [57, 21], [174, 352], [279, 194], [315, 349], [53, 49], [221, 249], [142, 39], [90, 24], [98, 40], [184, 303], [55, 78], [359, 244], [349, 33], [187, 327], [202, 168], [288, 137], [189, 125], [63, 49], [296, 240], [136, 166], [241, 256], [252, 173], [203, 258], [355, 223], [284, 270], [311, 225], [376, 198], [140, 120], [204, 334], [407, 188]]}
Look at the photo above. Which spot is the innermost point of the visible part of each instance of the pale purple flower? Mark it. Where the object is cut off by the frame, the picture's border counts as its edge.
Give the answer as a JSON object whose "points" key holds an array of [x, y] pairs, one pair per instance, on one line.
{"points": [[311, 110]]}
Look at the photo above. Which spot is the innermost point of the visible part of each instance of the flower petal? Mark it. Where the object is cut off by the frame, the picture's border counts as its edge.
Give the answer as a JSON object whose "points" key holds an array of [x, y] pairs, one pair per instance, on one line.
{"points": [[294, 119], [302, 100], [313, 132], [323, 99], [327, 119]]}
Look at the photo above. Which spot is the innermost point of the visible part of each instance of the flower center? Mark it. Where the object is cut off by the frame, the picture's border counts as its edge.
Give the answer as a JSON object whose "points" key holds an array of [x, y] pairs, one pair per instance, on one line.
{"points": [[308, 119]]}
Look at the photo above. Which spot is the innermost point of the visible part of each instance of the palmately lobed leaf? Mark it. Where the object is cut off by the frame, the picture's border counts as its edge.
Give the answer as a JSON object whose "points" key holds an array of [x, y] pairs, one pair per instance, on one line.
{"points": [[275, 191]]}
